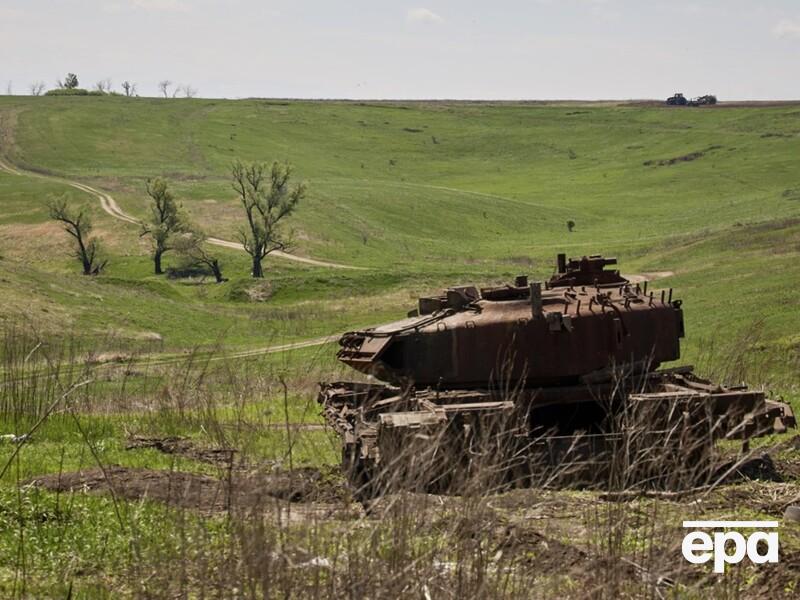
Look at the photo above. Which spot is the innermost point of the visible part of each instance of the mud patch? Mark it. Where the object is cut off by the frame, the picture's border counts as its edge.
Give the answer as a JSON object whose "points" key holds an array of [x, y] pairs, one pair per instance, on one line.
{"points": [[299, 485], [777, 581], [545, 551], [183, 447], [665, 162], [254, 491]]}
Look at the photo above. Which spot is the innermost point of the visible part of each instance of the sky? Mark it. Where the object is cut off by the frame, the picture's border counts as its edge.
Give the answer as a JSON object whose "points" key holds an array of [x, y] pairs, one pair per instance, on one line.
{"points": [[464, 49]]}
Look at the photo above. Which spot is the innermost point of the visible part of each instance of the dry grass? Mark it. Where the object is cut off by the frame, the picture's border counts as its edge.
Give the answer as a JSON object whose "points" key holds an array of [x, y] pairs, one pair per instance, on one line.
{"points": [[256, 523]]}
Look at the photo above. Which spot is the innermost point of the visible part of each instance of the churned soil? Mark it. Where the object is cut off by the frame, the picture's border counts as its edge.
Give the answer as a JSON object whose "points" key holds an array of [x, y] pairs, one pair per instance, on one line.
{"points": [[183, 447], [235, 491]]}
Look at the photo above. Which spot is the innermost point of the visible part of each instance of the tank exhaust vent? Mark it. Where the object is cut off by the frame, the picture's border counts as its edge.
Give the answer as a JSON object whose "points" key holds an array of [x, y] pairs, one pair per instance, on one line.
{"points": [[562, 263], [536, 299]]}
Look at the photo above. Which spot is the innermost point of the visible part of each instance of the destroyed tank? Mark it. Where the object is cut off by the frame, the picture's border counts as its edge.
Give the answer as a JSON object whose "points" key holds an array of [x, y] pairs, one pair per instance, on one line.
{"points": [[535, 381]]}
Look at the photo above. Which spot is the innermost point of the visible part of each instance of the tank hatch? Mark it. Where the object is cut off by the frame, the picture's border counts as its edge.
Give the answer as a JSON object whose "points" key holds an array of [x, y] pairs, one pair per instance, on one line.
{"points": [[588, 270]]}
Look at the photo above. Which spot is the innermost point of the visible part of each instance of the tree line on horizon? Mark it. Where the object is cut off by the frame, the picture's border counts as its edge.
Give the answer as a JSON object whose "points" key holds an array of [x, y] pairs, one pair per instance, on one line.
{"points": [[70, 86]]}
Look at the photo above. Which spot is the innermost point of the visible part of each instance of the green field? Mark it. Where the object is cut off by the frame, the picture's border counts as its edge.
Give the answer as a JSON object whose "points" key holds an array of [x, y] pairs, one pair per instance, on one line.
{"points": [[420, 196], [424, 195]]}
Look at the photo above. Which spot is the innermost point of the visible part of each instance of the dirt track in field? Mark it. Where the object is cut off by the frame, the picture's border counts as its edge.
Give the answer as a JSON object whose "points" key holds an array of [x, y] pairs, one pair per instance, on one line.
{"points": [[235, 490], [110, 206]]}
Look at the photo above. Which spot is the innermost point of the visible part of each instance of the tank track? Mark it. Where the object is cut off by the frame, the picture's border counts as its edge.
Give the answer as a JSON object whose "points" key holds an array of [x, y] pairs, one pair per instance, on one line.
{"points": [[647, 430]]}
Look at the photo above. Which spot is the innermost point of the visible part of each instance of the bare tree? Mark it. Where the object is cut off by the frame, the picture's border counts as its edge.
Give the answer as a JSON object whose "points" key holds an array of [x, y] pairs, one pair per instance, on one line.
{"points": [[267, 199], [78, 225], [167, 220], [189, 91], [37, 88], [163, 86], [192, 247], [104, 86], [129, 88], [9, 89]]}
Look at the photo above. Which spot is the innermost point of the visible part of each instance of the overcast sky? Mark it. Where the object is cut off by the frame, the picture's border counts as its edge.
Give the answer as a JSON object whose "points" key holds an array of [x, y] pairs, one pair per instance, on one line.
{"points": [[502, 49]]}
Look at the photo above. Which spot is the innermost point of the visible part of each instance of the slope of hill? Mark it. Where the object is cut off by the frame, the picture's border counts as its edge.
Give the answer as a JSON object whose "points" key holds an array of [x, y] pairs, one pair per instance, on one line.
{"points": [[421, 195], [426, 194]]}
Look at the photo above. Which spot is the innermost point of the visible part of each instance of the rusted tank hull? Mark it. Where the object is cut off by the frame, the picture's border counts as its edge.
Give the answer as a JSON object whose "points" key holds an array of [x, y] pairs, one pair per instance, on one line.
{"points": [[536, 382], [483, 349], [578, 331]]}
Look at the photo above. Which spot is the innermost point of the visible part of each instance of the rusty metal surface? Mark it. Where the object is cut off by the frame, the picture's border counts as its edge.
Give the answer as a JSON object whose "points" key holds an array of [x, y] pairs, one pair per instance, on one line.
{"points": [[380, 425], [587, 321], [565, 369]]}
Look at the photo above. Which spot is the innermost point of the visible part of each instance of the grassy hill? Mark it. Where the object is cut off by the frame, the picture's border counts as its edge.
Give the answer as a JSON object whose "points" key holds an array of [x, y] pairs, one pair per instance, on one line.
{"points": [[470, 181], [420, 196], [424, 194]]}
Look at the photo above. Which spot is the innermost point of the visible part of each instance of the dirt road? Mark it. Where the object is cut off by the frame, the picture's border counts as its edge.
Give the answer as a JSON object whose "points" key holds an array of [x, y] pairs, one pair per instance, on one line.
{"points": [[110, 206], [156, 360]]}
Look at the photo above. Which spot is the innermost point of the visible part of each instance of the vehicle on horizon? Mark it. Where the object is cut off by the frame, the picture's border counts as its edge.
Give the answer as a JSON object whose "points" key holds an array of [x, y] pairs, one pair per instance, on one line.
{"points": [[677, 99], [707, 100]]}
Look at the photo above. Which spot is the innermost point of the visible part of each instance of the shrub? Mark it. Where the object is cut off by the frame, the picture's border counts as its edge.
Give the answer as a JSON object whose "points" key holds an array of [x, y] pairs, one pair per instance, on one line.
{"points": [[73, 92], [188, 269]]}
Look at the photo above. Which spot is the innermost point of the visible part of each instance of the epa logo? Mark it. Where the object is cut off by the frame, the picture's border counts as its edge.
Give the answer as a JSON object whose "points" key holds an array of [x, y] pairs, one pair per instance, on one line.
{"points": [[730, 547]]}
